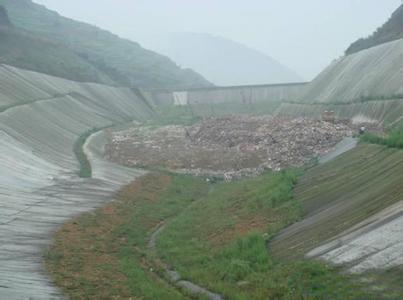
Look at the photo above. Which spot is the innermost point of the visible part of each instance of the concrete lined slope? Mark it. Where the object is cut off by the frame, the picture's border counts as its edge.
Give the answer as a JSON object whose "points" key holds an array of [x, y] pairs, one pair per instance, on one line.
{"points": [[352, 206], [228, 100], [21, 86], [388, 111], [375, 243], [368, 83], [375, 73], [36, 86], [246, 94], [39, 187]]}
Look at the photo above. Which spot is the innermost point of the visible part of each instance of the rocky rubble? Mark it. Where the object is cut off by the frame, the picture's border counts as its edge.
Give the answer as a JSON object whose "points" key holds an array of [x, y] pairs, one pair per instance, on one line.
{"points": [[229, 147]]}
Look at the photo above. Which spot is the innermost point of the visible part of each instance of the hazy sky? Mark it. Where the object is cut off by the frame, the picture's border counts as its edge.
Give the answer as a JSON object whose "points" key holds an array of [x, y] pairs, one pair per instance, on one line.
{"points": [[305, 35]]}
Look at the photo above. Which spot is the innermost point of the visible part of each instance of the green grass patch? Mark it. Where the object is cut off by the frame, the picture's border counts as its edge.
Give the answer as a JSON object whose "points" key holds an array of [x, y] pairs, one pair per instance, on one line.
{"points": [[340, 194], [160, 197], [220, 243], [393, 140], [216, 236], [85, 165]]}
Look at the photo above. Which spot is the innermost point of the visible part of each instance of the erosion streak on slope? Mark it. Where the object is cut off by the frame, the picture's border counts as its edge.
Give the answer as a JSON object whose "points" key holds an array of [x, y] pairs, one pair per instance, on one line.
{"points": [[339, 195], [40, 189]]}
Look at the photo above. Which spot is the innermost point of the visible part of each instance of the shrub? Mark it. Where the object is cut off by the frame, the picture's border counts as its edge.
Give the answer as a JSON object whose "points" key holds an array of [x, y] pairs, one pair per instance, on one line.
{"points": [[85, 166], [393, 140]]}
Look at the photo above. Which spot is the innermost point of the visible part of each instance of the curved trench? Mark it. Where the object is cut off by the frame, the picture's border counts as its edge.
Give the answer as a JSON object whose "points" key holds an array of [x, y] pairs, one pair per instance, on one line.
{"points": [[173, 276]]}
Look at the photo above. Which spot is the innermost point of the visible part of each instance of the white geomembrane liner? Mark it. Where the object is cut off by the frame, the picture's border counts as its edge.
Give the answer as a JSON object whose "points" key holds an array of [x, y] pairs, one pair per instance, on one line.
{"points": [[41, 117], [364, 86], [376, 243], [365, 75]]}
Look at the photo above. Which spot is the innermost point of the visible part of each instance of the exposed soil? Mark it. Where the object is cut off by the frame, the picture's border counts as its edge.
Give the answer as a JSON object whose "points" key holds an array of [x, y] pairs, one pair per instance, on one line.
{"points": [[84, 258], [229, 147], [83, 264], [242, 228]]}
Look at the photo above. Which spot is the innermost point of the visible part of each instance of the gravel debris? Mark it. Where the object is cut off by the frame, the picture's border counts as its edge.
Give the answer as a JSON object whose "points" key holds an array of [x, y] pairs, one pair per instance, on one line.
{"points": [[227, 147]]}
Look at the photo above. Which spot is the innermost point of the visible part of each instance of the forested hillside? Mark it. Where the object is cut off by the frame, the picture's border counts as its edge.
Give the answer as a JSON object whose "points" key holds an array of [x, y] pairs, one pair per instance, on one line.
{"points": [[87, 53], [390, 31]]}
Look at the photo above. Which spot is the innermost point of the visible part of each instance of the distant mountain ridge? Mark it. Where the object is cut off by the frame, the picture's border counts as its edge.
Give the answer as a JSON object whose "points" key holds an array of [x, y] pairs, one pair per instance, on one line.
{"points": [[4, 20], [94, 54], [221, 61], [390, 31]]}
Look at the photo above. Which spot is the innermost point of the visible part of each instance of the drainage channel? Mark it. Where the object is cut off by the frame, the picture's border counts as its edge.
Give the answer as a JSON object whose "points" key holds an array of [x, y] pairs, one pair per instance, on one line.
{"points": [[174, 277]]}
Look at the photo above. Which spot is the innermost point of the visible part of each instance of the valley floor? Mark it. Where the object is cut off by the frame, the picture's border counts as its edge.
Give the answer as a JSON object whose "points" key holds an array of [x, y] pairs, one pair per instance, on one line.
{"points": [[164, 229]]}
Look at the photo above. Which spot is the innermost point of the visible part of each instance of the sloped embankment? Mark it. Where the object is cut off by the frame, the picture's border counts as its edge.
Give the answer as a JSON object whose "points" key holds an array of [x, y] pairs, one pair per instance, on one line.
{"points": [[217, 101], [353, 206], [367, 84], [41, 118]]}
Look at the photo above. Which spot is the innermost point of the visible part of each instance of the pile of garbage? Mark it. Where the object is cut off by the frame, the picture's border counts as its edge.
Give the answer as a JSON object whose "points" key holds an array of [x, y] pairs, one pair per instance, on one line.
{"points": [[230, 147]]}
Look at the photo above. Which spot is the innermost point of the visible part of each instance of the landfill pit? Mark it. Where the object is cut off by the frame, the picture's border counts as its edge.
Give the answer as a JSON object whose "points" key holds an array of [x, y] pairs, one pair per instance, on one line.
{"points": [[230, 147]]}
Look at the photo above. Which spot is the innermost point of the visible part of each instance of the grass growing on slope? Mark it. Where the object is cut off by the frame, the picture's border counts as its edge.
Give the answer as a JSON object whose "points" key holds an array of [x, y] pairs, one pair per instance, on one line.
{"points": [[340, 194], [221, 244], [85, 165], [215, 235], [393, 140]]}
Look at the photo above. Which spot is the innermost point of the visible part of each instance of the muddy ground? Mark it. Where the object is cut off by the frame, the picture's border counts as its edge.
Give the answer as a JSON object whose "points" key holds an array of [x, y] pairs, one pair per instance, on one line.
{"points": [[232, 146]]}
